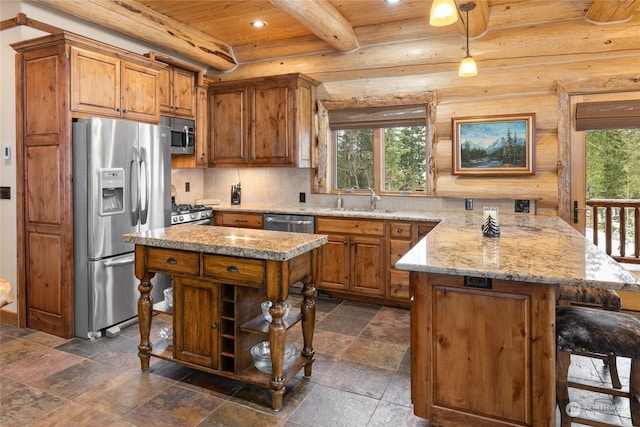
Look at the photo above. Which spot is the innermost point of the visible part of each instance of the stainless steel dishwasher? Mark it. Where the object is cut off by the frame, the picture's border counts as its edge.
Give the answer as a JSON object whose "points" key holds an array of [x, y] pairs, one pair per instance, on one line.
{"points": [[293, 223]]}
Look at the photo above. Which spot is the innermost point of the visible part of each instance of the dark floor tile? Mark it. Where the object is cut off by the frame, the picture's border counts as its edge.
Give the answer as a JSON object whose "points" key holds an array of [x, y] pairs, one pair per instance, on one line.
{"points": [[124, 393], [175, 406], [26, 405], [167, 370], [4, 338], [356, 378], [328, 407], [375, 353], [326, 305], [14, 331], [399, 390], [46, 339], [331, 344], [214, 385], [233, 415], [77, 379], [391, 415], [357, 310], [259, 398], [73, 414], [18, 349], [342, 325], [40, 365], [122, 353], [389, 325], [88, 348]]}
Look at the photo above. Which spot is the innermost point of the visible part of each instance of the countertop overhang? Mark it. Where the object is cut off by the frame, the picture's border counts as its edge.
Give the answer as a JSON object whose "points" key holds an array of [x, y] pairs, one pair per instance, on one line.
{"points": [[534, 249], [240, 242]]}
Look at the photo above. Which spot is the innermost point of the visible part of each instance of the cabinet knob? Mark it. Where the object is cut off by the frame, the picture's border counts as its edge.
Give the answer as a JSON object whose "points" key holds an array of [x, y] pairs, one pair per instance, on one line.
{"points": [[399, 230], [214, 326]]}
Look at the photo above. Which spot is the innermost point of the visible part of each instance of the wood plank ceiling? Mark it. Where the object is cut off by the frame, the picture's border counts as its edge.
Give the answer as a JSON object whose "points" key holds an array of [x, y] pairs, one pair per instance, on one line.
{"points": [[336, 40]]}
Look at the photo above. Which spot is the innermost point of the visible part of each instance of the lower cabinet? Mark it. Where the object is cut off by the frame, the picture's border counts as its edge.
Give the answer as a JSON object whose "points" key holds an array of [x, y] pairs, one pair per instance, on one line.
{"points": [[207, 318], [238, 219]]}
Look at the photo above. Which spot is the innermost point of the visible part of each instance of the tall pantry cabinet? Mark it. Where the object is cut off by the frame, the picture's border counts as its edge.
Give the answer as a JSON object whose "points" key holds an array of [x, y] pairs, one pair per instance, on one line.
{"points": [[50, 92]]}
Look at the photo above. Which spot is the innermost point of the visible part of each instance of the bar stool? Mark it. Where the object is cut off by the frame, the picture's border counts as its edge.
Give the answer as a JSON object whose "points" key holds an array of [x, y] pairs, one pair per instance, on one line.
{"points": [[591, 297], [584, 329]]}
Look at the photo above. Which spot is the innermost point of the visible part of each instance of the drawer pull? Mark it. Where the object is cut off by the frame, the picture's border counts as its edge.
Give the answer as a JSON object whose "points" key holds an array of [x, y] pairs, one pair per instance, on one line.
{"points": [[399, 230], [172, 261], [233, 269], [214, 326]]}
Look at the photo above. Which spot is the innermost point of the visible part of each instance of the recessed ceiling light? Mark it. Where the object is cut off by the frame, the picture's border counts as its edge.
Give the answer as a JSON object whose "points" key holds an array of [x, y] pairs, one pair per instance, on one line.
{"points": [[258, 24], [392, 1]]}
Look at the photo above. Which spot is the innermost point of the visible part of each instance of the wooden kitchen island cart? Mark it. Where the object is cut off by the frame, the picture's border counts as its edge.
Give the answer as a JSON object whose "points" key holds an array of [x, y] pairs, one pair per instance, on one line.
{"points": [[220, 277]]}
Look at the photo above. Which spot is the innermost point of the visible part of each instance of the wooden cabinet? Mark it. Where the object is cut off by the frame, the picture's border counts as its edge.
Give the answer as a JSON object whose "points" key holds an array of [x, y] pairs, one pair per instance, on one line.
{"points": [[501, 335], [60, 77], [176, 90], [106, 85], [262, 122], [238, 219], [401, 237], [200, 156], [353, 259]]}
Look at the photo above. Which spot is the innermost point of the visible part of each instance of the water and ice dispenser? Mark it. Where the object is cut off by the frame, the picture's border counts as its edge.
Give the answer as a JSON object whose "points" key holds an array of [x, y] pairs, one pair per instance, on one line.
{"points": [[111, 191]]}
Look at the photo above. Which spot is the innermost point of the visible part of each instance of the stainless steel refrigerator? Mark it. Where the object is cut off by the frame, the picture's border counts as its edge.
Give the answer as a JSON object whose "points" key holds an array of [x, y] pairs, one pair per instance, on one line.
{"points": [[121, 184]]}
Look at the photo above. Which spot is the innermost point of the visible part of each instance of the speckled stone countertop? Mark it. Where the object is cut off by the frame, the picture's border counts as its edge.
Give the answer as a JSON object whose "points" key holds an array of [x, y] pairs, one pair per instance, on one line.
{"points": [[240, 242], [535, 249]]}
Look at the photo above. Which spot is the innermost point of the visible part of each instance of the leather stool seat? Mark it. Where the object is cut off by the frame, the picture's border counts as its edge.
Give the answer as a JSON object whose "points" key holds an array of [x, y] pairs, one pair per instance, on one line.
{"points": [[583, 329]]}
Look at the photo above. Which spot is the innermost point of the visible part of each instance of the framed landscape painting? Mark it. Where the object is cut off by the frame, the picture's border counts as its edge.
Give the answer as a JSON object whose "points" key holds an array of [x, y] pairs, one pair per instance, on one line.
{"points": [[494, 145]]}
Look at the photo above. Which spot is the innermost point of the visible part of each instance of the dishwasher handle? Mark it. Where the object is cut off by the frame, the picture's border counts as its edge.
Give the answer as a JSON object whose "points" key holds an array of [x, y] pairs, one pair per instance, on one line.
{"points": [[288, 221]]}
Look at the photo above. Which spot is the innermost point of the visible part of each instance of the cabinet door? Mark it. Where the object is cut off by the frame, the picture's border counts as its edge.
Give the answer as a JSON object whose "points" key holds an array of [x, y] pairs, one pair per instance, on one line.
{"points": [[272, 142], [183, 85], [95, 83], [165, 92], [333, 264], [202, 128], [229, 127], [367, 265], [139, 93], [196, 332]]}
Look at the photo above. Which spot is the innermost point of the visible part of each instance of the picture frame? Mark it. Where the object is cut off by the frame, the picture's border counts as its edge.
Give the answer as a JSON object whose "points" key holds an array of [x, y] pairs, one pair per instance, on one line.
{"points": [[480, 142]]}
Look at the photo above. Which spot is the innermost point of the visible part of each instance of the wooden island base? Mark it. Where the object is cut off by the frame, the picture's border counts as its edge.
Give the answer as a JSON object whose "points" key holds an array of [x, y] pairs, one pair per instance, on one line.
{"points": [[217, 316], [482, 357]]}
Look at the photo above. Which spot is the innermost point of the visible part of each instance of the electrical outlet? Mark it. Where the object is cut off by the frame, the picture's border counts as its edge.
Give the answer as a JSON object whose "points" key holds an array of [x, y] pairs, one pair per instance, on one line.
{"points": [[522, 206], [468, 204], [187, 187], [303, 197]]}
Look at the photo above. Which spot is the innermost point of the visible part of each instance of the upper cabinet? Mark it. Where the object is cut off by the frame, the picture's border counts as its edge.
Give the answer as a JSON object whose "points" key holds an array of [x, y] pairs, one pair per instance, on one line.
{"points": [[107, 85], [176, 92], [262, 122]]}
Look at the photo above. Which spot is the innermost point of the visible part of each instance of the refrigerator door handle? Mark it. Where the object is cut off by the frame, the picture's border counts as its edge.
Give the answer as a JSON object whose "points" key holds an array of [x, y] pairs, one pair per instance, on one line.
{"points": [[144, 174], [134, 202], [121, 261]]}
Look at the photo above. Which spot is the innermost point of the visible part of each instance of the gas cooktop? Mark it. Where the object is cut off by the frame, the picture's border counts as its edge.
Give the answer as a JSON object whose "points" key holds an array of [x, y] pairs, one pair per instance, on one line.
{"points": [[184, 213]]}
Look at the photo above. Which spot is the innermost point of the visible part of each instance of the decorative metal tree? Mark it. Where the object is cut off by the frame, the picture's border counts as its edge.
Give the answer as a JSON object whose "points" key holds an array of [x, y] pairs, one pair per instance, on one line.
{"points": [[490, 228]]}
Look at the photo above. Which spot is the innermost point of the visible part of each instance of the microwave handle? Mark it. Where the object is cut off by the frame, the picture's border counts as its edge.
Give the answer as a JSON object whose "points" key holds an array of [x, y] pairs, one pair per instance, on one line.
{"points": [[185, 129]]}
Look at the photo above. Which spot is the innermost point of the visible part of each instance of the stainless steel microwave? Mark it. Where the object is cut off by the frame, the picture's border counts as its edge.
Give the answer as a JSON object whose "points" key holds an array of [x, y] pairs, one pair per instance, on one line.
{"points": [[182, 134]]}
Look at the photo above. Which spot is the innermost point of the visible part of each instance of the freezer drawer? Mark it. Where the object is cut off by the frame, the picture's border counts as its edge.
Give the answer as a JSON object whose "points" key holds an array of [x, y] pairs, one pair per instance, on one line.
{"points": [[110, 295]]}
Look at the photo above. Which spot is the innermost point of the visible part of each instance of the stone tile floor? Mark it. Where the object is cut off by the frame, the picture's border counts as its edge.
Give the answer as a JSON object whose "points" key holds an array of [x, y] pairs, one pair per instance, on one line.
{"points": [[360, 378]]}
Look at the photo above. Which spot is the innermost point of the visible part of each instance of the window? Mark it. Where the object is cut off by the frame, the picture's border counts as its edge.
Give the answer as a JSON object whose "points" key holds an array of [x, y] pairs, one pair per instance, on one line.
{"points": [[379, 148]]}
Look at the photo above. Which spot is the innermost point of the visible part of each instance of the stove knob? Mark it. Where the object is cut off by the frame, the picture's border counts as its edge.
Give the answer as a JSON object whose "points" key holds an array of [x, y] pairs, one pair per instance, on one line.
{"points": [[174, 219], [181, 218]]}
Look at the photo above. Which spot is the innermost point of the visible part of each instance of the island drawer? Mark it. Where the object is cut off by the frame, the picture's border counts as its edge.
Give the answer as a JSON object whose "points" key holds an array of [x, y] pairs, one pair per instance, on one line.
{"points": [[400, 230], [350, 226], [239, 219], [172, 261], [229, 269]]}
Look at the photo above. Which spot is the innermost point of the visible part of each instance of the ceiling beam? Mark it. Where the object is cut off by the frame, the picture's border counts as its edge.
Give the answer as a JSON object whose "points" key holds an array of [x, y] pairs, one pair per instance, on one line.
{"points": [[478, 19], [607, 11], [323, 20], [143, 23]]}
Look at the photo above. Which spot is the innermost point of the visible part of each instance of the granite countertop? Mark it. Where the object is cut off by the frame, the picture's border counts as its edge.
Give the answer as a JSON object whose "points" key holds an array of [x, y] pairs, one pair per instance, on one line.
{"points": [[401, 215], [240, 242], [536, 249]]}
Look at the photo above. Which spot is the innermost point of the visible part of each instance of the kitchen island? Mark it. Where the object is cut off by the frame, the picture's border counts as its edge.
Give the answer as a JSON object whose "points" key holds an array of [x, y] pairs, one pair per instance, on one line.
{"points": [[483, 316], [220, 277]]}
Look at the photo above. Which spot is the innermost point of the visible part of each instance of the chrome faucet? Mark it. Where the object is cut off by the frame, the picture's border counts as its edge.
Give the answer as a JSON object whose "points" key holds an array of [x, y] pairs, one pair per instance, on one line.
{"points": [[374, 198]]}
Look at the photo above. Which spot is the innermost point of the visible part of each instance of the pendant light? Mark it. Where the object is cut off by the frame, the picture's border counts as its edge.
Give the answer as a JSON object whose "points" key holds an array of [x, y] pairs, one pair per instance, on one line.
{"points": [[443, 13], [468, 67]]}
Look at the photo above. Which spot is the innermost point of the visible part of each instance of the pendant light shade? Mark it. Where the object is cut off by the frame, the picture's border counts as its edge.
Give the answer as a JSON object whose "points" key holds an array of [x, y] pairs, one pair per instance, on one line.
{"points": [[468, 67], [443, 12]]}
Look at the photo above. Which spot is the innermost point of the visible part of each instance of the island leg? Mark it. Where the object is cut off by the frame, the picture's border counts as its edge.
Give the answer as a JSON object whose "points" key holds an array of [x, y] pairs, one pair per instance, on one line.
{"points": [[277, 338], [145, 307], [309, 313]]}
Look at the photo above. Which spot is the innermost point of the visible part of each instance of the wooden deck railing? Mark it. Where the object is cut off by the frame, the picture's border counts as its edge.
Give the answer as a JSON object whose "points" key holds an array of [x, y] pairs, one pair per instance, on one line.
{"points": [[619, 217]]}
